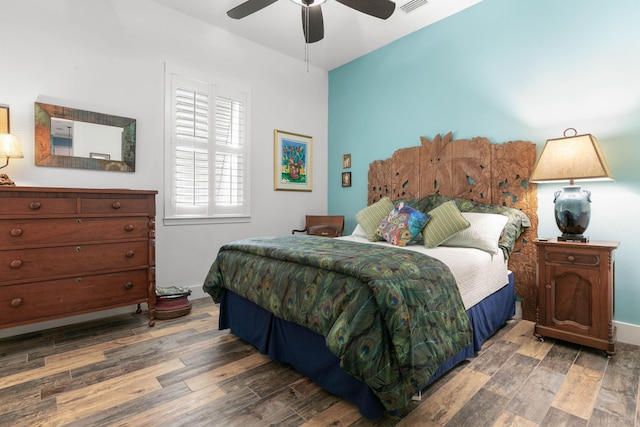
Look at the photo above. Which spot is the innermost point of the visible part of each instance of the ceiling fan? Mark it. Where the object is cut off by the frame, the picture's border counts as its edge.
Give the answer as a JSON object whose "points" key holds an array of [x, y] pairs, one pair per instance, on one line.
{"points": [[312, 23]]}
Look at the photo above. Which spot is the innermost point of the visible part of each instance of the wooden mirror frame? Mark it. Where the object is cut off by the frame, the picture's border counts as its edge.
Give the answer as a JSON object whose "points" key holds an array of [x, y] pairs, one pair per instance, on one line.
{"points": [[43, 156]]}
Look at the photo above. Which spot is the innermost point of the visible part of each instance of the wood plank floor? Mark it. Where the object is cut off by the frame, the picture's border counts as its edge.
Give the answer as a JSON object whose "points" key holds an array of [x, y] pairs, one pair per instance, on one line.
{"points": [[119, 372]]}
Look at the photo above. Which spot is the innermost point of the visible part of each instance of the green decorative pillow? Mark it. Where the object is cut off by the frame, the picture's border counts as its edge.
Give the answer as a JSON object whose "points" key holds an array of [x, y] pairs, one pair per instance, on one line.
{"points": [[446, 220], [402, 225], [370, 217]]}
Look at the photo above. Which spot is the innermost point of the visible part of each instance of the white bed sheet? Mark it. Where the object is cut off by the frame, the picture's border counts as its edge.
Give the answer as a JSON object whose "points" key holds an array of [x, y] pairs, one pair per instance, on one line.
{"points": [[478, 273]]}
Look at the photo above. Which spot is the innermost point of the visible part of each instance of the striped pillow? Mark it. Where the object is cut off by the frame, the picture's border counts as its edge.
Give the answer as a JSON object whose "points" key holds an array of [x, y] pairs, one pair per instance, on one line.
{"points": [[446, 220], [370, 217]]}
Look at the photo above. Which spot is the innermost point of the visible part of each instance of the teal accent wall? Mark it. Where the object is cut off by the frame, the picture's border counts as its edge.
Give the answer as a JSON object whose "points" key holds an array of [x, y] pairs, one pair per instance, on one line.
{"points": [[506, 70]]}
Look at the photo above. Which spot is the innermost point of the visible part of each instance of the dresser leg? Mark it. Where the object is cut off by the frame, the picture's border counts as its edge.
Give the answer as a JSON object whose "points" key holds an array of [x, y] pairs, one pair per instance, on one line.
{"points": [[152, 316]]}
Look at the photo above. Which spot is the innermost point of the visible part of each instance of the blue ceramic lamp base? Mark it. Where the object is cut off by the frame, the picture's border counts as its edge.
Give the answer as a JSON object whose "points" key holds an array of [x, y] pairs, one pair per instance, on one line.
{"points": [[573, 212]]}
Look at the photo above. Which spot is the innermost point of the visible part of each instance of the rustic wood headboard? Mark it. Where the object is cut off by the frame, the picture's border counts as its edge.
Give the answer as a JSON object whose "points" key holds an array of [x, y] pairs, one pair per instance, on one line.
{"points": [[472, 169]]}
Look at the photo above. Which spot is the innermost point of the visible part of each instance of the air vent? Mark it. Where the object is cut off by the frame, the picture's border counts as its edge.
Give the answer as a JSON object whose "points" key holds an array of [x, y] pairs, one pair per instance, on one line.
{"points": [[412, 5]]}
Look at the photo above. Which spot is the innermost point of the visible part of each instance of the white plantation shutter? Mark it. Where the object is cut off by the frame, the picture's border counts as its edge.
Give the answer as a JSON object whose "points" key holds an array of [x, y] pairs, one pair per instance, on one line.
{"points": [[209, 150], [229, 152]]}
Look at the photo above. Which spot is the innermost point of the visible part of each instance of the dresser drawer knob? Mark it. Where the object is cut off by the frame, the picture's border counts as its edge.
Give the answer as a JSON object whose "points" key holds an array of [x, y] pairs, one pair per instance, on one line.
{"points": [[128, 285], [16, 232], [128, 227], [16, 263], [78, 248], [78, 221], [116, 205], [130, 254], [571, 258], [16, 302], [79, 279], [34, 206]]}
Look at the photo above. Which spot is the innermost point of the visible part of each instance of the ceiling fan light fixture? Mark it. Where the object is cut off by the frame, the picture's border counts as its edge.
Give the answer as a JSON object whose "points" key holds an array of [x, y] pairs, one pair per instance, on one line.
{"points": [[307, 3]]}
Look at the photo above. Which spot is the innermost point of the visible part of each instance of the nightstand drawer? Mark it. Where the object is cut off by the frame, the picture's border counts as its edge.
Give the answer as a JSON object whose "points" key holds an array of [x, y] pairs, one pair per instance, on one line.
{"points": [[573, 258]]}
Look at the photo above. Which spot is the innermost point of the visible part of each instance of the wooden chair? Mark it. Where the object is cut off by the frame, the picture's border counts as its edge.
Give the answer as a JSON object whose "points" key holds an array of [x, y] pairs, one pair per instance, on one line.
{"points": [[323, 225]]}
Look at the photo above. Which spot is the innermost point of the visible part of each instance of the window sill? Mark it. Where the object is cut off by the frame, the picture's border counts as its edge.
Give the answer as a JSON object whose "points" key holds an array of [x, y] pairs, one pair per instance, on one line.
{"points": [[195, 220]]}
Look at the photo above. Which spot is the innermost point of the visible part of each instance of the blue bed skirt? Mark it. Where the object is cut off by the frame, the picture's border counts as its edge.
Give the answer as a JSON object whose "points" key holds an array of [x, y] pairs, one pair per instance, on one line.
{"points": [[305, 350]]}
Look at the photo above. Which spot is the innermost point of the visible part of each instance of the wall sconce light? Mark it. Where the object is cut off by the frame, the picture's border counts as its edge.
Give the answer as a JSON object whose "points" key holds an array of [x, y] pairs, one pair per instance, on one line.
{"points": [[9, 144], [572, 158]]}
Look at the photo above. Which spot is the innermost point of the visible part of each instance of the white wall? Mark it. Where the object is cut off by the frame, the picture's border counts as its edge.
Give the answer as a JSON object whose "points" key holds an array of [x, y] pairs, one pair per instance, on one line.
{"points": [[108, 56]]}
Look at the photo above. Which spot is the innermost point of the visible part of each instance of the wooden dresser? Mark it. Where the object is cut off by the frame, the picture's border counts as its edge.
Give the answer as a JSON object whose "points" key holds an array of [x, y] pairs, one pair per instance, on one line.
{"points": [[68, 251]]}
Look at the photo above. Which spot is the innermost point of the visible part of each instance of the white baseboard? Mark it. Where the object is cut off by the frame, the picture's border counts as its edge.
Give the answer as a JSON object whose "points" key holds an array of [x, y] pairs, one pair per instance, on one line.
{"points": [[628, 333]]}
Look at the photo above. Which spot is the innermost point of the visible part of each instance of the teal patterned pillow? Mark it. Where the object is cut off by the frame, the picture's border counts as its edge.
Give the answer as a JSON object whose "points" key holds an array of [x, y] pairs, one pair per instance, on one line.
{"points": [[370, 217], [402, 225], [446, 220]]}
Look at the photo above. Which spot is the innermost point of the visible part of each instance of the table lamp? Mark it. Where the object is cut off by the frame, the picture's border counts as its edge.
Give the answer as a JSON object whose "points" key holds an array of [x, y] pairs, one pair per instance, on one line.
{"points": [[9, 149], [571, 158]]}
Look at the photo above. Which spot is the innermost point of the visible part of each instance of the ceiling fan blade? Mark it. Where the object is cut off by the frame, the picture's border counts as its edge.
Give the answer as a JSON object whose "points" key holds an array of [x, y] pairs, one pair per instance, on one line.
{"points": [[312, 23], [248, 7], [379, 8]]}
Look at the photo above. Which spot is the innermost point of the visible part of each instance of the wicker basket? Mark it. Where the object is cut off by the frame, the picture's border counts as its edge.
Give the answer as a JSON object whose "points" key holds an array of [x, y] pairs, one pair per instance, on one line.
{"points": [[170, 305]]}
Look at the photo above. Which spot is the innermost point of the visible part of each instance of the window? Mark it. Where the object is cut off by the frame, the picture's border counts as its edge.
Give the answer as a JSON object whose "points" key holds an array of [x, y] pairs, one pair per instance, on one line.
{"points": [[206, 151]]}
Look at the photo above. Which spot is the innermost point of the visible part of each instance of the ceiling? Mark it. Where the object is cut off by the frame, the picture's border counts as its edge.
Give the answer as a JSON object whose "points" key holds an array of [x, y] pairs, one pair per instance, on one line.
{"points": [[348, 34]]}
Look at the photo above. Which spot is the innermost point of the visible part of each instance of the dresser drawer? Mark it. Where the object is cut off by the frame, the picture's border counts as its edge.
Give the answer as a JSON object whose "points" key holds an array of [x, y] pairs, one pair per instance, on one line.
{"points": [[15, 233], [39, 301], [114, 206], [34, 264], [32, 206]]}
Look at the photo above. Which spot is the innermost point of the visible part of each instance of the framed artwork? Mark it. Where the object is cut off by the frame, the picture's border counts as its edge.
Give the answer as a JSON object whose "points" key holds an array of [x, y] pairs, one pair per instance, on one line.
{"points": [[292, 161], [346, 179], [4, 119], [346, 161]]}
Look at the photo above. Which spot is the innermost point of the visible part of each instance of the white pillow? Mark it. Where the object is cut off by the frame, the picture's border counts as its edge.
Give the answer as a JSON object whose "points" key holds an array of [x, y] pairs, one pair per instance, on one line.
{"points": [[483, 233], [359, 232]]}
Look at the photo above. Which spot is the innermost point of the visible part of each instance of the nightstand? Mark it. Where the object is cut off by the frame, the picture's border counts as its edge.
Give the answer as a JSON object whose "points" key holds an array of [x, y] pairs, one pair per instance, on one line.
{"points": [[575, 284]]}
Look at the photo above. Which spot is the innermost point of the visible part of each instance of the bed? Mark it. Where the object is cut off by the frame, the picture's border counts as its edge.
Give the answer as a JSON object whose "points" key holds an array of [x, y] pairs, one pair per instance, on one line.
{"points": [[374, 322]]}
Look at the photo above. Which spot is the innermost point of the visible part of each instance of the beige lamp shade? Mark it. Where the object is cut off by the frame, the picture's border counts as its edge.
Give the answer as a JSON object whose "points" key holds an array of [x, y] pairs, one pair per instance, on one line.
{"points": [[571, 158], [10, 147]]}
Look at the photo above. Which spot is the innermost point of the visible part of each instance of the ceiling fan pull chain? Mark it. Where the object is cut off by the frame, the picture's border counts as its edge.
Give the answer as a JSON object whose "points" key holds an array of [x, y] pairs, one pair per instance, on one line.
{"points": [[306, 42]]}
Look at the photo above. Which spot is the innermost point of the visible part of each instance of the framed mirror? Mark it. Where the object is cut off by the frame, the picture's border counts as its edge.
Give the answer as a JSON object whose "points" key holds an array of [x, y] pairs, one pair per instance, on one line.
{"points": [[70, 138]]}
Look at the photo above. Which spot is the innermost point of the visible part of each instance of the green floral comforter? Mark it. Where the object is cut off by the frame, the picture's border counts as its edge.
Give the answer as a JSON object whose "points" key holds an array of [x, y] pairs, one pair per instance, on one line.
{"points": [[390, 315]]}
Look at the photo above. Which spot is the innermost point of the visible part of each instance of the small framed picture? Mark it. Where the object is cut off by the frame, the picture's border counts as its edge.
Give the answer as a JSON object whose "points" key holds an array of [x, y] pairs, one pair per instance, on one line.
{"points": [[346, 179], [346, 161]]}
